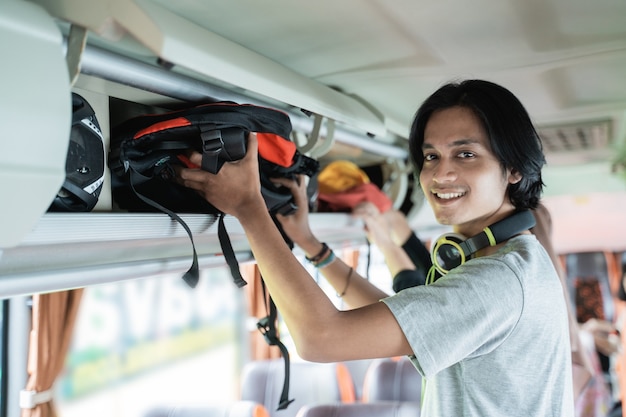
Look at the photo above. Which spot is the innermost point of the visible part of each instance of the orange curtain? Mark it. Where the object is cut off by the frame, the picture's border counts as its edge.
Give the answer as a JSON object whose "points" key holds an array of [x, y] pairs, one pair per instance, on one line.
{"points": [[350, 257], [257, 308], [613, 269], [54, 315]]}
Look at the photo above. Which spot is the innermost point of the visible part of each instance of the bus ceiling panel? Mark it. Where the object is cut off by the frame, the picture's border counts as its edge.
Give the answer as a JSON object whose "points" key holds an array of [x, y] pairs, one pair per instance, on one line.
{"points": [[181, 42], [184, 43], [36, 117]]}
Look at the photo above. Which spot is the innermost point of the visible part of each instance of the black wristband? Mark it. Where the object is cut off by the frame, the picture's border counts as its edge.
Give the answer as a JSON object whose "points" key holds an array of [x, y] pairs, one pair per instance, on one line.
{"points": [[408, 278], [320, 255], [419, 254]]}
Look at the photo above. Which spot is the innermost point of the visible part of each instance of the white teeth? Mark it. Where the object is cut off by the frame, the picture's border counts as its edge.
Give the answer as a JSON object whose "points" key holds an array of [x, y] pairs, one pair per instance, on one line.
{"points": [[447, 196]]}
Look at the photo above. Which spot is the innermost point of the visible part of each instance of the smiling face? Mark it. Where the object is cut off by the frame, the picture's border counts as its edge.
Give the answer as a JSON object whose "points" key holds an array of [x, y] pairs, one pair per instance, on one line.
{"points": [[461, 177]]}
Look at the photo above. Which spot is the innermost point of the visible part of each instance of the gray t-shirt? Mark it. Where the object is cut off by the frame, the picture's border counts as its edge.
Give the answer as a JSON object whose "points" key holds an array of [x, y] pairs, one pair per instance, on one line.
{"points": [[491, 338]]}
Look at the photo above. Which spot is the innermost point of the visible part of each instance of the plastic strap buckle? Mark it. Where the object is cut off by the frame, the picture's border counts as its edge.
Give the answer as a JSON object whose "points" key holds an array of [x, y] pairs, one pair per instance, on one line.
{"points": [[212, 145], [268, 332]]}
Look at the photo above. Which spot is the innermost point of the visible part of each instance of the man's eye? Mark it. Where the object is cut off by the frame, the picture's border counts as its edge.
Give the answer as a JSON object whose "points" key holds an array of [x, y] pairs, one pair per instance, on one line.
{"points": [[466, 154], [429, 157]]}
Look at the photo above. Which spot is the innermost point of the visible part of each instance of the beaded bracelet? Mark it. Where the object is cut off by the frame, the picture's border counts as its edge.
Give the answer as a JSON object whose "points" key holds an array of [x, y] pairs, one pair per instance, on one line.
{"points": [[327, 260]]}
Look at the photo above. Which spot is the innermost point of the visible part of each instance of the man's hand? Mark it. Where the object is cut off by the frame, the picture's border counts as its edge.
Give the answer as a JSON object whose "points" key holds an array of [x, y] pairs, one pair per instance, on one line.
{"points": [[296, 225], [235, 189], [604, 336]]}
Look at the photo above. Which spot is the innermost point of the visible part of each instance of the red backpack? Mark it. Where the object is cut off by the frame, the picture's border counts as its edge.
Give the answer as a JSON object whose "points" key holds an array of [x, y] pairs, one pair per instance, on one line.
{"points": [[145, 149]]}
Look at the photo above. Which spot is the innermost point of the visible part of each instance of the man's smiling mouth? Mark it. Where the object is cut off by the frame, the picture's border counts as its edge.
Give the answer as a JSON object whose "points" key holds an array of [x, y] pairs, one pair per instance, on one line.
{"points": [[448, 196]]}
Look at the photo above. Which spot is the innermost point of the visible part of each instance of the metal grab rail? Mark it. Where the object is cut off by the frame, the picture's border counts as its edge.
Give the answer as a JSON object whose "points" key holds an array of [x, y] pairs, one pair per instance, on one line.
{"points": [[110, 66]]}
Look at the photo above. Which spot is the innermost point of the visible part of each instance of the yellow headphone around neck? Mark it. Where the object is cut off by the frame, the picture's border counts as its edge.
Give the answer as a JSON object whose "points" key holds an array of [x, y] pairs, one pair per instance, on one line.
{"points": [[452, 249]]}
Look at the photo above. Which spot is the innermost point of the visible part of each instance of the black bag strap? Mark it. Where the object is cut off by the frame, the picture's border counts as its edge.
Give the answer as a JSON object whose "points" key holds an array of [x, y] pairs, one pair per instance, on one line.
{"points": [[192, 276], [220, 145], [85, 199], [229, 253], [212, 145], [267, 327]]}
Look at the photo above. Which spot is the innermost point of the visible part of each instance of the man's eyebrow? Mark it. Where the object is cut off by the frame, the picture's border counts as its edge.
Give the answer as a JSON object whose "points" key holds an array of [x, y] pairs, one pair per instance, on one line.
{"points": [[458, 142]]}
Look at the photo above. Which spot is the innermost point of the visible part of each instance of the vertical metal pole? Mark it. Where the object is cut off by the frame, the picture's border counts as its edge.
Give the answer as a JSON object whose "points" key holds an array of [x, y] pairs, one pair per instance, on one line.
{"points": [[19, 322]]}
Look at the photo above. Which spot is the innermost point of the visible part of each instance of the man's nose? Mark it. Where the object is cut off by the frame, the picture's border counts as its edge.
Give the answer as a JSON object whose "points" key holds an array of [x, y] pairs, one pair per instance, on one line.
{"points": [[445, 171]]}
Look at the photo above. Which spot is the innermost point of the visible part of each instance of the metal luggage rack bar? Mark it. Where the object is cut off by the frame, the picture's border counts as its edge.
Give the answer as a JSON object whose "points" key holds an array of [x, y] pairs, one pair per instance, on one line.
{"points": [[101, 63]]}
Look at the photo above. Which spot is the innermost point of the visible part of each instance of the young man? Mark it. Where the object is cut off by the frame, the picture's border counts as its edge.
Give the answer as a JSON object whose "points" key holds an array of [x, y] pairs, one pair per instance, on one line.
{"points": [[491, 336]]}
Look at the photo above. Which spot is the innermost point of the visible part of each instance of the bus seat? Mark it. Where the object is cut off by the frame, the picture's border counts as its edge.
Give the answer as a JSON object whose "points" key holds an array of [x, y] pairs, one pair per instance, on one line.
{"points": [[309, 383], [236, 409], [379, 409], [392, 379]]}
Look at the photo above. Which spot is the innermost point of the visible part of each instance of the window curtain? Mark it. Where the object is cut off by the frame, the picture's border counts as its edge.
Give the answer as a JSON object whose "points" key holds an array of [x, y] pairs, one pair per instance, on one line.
{"points": [[53, 318]]}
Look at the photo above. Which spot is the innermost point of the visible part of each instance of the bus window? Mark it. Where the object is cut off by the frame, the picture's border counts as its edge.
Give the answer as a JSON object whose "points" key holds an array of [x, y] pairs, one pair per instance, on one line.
{"points": [[153, 341]]}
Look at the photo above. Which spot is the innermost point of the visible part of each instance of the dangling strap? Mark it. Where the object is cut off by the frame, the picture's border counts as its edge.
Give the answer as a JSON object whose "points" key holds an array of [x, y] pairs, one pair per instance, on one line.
{"points": [[192, 276], [87, 199], [229, 253], [267, 327]]}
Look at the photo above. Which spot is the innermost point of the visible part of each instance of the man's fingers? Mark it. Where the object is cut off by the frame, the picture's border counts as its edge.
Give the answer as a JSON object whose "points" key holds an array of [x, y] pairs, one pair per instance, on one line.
{"points": [[595, 326], [196, 158], [287, 182], [191, 174], [193, 184], [253, 146]]}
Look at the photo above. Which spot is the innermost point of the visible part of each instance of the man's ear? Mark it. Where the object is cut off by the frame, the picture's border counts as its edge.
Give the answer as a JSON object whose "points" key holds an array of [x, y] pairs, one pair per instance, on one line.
{"points": [[514, 176]]}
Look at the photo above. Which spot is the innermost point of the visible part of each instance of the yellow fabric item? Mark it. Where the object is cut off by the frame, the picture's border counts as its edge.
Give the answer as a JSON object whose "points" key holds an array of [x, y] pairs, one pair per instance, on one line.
{"points": [[340, 176]]}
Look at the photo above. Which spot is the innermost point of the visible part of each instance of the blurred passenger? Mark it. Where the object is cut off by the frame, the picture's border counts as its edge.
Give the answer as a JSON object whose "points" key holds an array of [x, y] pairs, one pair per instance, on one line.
{"points": [[592, 394], [344, 187], [391, 232]]}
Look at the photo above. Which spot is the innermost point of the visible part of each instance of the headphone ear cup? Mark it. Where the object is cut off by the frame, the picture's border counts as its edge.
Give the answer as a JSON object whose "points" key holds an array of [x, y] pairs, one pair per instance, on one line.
{"points": [[447, 252], [452, 249]]}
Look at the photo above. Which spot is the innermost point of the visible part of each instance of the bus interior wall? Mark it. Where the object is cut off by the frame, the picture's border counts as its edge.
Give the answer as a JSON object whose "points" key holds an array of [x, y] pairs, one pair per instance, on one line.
{"points": [[141, 338]]}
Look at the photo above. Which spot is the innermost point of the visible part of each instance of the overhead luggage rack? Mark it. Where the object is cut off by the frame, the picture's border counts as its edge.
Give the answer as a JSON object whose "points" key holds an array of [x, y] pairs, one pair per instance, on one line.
{"points": [[82, 249], [176, 58], [99, 62], [167, 60]]}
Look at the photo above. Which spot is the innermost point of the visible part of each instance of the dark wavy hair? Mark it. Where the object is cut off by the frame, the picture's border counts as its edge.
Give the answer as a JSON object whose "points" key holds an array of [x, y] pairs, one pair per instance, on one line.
{"points": [[511, 133]]}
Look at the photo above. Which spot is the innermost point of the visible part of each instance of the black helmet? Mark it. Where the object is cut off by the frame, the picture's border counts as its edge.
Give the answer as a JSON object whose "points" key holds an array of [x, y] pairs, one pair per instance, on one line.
{"points": [[85, 163]]}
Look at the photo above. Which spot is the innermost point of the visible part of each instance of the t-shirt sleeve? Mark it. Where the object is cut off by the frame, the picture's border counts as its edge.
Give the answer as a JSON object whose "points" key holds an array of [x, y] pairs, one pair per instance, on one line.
{"points": [[467, 313]]}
